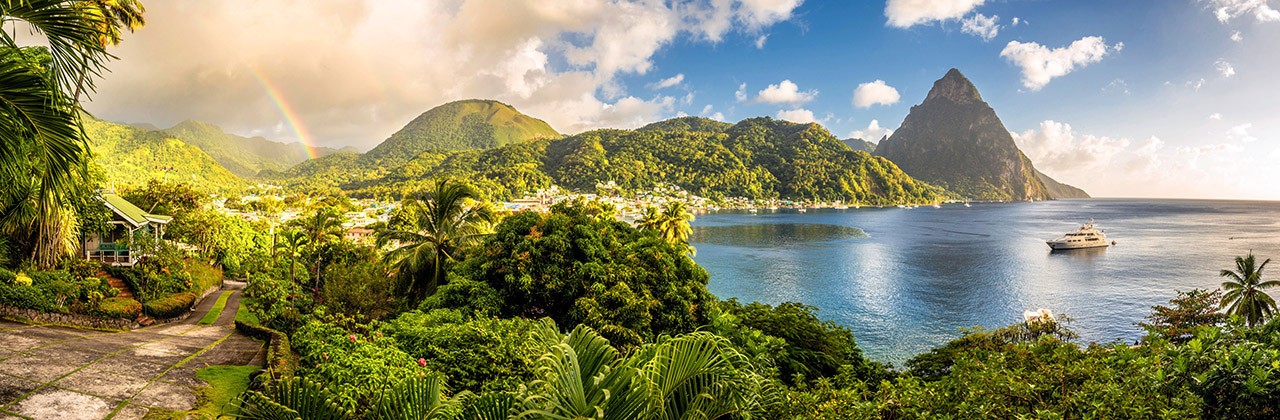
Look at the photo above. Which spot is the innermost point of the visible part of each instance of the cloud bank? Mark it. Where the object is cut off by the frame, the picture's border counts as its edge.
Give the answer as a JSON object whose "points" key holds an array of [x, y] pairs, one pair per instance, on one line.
{"points": [[352, 72]]}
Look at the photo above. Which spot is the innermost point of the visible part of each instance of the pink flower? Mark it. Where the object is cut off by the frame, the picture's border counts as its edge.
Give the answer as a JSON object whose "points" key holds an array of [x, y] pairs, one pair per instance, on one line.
{"points": [[326, 355], [422, 362], [352, 337]]}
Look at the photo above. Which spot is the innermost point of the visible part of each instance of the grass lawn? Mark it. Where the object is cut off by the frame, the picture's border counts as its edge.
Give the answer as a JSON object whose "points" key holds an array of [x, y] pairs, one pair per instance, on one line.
{"points": [[216, 310], [244, 315], [225, 383]]}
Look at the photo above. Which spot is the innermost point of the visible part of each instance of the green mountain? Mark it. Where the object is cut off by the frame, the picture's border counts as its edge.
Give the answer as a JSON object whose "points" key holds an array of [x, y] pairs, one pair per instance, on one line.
{"points": [[243, 156], [757, 158], [955, 140], [130, 156], [460, 125], [860, 144], [688, 124]]}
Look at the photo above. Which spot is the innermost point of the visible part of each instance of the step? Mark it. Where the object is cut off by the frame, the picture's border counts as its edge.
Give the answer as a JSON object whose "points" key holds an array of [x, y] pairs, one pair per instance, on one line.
{"points": [[115, 283]]}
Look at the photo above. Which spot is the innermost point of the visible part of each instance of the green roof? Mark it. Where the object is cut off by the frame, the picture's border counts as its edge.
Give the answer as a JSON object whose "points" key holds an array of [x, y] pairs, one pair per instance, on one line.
{"points": [[130, 212]]}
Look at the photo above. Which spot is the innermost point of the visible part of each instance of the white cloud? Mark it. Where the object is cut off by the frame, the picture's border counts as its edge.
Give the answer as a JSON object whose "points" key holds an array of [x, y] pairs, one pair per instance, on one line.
{"points": [[741, 93], [1225, 10], [1215, 116], [760, 41], [875, 93], [1040, 64], [717, 116], [1241, 133], [1018, 21], [385, 61], [1117, 85], [908, 13], [668, 82], [1237, 36], [1224, 68], [982, 26], [786, 92], [873, 133], [799, 115], [706, 110], [1196, 84]]}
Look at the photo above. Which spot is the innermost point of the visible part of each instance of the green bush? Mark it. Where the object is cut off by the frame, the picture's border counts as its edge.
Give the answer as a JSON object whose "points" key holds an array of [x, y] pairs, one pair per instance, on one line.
{"points": [[279, 304], [30, 297], [203, 276], [8, 277], [119, 307], [364, 291], [480, 354], [169, 307], [357, 366]]}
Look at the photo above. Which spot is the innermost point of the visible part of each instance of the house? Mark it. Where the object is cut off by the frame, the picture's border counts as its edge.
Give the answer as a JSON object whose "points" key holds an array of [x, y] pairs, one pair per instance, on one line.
{"points": [[127, 221], [360, 235]]}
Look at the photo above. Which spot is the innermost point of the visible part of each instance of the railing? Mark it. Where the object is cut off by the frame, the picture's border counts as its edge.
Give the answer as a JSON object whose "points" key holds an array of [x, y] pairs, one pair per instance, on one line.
{"points": [[117, 258]]}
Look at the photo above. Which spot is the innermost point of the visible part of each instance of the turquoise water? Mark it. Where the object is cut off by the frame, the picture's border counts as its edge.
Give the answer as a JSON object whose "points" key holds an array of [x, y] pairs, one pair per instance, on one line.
{"points": [[906, 280]]}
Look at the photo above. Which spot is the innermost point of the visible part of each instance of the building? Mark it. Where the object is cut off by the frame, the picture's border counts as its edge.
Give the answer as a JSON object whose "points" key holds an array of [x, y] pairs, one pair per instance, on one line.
{"points": [[127, 222]]}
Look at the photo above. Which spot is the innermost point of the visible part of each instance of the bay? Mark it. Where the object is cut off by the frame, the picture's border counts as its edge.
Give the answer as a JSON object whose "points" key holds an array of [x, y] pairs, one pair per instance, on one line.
{"points": [[907, 280]]}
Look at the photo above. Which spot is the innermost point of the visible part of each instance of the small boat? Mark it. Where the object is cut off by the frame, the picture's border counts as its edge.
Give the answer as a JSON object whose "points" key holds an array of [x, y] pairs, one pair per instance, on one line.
{"points": [[937, 206], [802, 210], [1086, 237], [966, 204]]}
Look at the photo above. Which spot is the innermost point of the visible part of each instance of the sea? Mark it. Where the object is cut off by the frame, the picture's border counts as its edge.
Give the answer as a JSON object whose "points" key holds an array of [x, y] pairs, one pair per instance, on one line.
{"points": [[907, 280]]}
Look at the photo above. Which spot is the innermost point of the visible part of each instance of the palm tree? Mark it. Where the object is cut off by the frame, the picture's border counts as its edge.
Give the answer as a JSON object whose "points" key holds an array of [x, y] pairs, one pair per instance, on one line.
{"points": [[1245, 295], [697, 375], [42, 147], [675, 222], [291, 244], [320, 228], [432, 232], [112, 16], [651, 219]]}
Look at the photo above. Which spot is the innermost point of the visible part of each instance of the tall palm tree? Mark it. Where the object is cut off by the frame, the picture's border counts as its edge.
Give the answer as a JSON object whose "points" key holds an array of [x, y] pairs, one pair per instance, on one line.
{"points": [[675, 222], [112, 16], [1245, 291], [42, 144], [322, 227], [291, 244], [433, 232]]}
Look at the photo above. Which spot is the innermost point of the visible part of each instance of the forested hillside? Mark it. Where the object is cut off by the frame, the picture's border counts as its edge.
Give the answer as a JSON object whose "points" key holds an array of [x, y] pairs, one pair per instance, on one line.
{"points": [[460, 125], [130, 156], [243, 156]]}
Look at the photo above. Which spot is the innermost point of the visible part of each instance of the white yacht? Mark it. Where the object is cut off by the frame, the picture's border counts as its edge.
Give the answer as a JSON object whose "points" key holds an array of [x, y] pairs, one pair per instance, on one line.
{"points": [[1085, 237]]}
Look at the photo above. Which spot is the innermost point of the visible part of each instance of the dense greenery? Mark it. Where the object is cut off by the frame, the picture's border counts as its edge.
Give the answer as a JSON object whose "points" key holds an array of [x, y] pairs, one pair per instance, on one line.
{"points": [[129, 157], [243, 156]]}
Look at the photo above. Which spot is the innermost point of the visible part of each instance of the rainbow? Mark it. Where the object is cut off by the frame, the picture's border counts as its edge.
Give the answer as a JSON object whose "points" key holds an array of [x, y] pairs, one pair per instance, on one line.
{"points": [[290, 115]]}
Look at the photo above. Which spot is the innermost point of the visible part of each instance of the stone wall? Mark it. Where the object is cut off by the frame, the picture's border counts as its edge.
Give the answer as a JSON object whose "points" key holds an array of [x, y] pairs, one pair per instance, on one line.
{"points": [[69, 320]]}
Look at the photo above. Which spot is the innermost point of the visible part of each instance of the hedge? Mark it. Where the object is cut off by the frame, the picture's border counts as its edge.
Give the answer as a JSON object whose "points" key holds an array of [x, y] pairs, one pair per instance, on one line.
{"points": [[30, 297], [280, 361], [119, 307], [169, 307]]}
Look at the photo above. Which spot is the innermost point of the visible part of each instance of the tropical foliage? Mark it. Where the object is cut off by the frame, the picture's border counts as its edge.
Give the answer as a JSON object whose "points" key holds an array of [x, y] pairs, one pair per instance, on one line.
{"points": [[1246, 294], [432, 233]]}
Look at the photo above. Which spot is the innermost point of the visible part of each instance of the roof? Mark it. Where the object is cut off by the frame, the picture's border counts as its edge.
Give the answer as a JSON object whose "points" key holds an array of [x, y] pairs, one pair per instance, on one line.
{"points": [[131, 213]]}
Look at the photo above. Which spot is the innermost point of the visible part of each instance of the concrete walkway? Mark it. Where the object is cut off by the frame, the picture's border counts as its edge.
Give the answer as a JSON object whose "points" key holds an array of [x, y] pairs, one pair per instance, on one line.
{"points": [[64, 373]]}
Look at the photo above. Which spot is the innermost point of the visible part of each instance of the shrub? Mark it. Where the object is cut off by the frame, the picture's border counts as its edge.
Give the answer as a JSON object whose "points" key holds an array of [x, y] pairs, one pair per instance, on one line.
{"points": [[356, 366], [8, 277], [30, 297], [203, 276], [279, 304], [362, 290], [481, 354], [119, 307], [169, 307]]}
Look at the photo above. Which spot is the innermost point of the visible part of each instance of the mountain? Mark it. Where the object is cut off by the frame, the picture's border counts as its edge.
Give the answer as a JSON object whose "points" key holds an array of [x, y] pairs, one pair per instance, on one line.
{"points": [[955, 140], [756, 158], [130, 156], [1060, 190], [860, 144], [243, 156], [688, 124], [460, 125]]}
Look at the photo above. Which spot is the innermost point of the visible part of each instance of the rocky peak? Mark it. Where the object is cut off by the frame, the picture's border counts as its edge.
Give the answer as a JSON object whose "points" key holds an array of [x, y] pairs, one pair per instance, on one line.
{"points": [[955, 88]]}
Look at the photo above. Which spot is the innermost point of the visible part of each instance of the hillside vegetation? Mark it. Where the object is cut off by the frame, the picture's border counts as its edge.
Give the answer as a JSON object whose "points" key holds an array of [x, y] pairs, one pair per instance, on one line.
{"points": [[243, 156], [460, 125], [130, 157]]}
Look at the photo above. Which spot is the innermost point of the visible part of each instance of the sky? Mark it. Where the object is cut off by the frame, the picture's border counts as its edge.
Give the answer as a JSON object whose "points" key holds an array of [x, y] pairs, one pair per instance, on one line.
{"points": [[1136, 98]]}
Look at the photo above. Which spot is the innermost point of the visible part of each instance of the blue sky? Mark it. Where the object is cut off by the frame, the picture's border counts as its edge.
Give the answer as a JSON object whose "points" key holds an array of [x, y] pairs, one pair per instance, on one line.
{"points": [[1170, 98]]}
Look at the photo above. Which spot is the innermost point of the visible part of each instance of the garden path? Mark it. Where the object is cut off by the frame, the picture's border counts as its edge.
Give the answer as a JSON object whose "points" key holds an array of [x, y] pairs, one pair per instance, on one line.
{"points": [[64, 373]]}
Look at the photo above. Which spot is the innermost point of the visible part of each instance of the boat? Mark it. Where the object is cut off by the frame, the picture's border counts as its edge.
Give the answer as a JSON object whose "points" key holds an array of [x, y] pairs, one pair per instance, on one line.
{"points": [[937, 206], [966, 204], [802, 210], [1086, 237]]}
